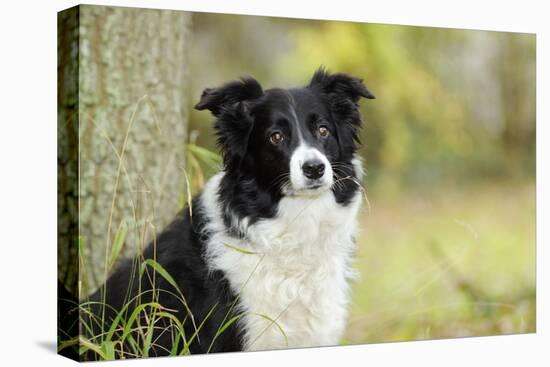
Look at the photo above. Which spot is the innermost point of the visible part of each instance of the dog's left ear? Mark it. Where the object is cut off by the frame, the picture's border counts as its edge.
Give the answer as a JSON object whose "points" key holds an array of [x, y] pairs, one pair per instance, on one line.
{"points": [[343, 92], [340, 84]]}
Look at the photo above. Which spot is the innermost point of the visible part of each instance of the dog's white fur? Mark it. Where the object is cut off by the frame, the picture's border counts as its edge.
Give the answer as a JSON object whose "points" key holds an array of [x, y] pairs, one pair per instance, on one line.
{"points": [[297, 271]]}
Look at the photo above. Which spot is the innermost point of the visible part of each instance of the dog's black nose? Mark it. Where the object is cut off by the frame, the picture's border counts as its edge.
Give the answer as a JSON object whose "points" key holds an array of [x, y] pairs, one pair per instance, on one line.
{"points": [[313, 169]]}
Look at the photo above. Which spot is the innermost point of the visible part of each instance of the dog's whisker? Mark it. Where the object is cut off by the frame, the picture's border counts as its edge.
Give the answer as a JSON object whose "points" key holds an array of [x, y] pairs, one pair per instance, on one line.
{"points": [[279, 180], [281, 176], [361, 188]]}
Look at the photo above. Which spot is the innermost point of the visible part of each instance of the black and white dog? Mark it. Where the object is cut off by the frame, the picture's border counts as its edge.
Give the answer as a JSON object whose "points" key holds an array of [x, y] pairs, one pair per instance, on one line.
{"points": [[273, 232]]}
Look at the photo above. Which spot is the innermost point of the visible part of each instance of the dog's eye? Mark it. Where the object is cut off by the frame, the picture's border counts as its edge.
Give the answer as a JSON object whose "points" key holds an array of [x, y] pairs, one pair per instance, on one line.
{"points": [[323, 131], [276, 138]]}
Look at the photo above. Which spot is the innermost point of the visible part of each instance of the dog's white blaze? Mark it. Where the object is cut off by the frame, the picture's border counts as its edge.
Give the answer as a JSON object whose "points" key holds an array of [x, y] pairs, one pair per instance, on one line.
{"points": [[300, 155], [298, 274]]}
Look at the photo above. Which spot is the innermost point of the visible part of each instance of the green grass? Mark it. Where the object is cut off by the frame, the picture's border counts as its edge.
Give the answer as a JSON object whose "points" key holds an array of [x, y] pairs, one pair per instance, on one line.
{"points": [[449, 263], [137, 329]]}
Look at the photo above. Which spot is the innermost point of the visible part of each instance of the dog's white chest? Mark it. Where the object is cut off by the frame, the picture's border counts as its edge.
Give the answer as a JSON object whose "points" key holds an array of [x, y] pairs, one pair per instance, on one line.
{"points": [[292, 303], [293, 285]]}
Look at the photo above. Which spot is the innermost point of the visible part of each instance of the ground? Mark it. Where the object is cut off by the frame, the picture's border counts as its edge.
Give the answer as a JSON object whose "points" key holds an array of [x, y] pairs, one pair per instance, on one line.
{"points": [[447, 263]]}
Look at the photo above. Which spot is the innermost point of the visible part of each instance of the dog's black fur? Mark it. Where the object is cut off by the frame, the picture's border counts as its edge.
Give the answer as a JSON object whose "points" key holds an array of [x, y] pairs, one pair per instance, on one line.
{"points": [[246, 116]]}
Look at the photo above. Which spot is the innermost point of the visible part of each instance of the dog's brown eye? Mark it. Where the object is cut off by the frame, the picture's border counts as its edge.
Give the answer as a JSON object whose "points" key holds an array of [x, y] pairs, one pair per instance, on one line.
{"points": [[276, 138], [323, 131]]}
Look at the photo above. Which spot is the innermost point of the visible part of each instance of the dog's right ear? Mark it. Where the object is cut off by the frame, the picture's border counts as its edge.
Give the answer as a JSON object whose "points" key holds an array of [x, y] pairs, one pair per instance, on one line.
{"points": [[230, 104], [228, 96]]}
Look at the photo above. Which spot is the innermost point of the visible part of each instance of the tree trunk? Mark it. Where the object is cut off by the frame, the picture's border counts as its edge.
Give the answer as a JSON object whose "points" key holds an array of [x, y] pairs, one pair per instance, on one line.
{"points": [[132, 127]]}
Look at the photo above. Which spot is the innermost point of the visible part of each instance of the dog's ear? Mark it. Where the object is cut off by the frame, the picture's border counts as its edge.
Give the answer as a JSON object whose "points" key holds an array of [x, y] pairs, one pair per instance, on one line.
{"points": [[231, 104], [228, 96], [342, 93], [340, 84]]}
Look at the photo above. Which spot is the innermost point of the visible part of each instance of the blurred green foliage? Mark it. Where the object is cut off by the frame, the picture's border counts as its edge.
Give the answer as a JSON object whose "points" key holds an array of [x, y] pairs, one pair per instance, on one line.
{"points": [[453, 106], [447, 247]]}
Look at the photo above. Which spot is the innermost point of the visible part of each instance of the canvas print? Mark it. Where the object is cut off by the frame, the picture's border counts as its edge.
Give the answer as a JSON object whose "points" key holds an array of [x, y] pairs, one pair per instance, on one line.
{"points": [[244, 183]]}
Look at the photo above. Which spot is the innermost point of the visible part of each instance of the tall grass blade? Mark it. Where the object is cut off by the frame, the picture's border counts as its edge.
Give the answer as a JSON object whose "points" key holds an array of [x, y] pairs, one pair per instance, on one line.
{"points": [[274, 323], [210, 158], [241, 250], [128, 327], [162, 272], [223, 328], [108, 347], [118, 244], [185, 349]]}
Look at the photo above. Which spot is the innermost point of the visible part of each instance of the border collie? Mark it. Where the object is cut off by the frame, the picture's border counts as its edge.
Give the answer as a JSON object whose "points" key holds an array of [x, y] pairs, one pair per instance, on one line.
{"points": [[270, 239]]}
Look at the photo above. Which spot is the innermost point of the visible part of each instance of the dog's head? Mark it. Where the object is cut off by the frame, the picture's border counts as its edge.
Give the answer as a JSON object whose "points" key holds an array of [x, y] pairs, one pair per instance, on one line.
{"points": [[292, 142]]}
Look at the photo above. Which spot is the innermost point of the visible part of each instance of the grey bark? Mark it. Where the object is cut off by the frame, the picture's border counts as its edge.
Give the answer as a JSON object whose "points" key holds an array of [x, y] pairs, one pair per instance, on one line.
{"points": [[132, 127]]}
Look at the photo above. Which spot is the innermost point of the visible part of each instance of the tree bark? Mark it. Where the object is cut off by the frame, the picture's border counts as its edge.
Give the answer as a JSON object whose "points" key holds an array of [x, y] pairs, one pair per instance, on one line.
{"points": [[132, 127]]}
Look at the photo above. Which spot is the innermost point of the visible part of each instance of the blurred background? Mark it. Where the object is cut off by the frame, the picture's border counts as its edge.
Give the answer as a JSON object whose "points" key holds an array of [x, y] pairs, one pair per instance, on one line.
{"points": [[447, 241], [447, 247]]}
